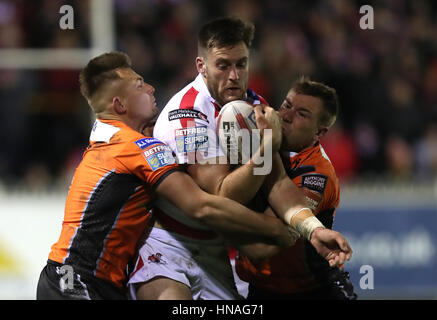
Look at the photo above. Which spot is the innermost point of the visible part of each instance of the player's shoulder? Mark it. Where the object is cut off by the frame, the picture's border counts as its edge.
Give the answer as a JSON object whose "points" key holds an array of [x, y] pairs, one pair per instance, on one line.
{"points": [[324, 162], [125, 135], [140, 143], [184, 97], [316, 170], [145, 157], [188, 105], [113, 133], [130, 142]]}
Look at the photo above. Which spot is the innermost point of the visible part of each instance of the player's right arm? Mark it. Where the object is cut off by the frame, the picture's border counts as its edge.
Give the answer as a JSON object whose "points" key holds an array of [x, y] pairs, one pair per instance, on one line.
{"points": [[258, 251], [221, 214]]}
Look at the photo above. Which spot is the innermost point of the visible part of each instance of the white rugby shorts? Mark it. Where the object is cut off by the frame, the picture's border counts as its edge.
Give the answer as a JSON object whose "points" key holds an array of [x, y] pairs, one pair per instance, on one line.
{"points": [[202, 265]]}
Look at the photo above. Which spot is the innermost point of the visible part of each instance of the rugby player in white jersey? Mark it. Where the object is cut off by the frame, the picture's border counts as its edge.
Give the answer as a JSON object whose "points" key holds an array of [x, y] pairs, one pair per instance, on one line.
{"points": [[182, 259]]}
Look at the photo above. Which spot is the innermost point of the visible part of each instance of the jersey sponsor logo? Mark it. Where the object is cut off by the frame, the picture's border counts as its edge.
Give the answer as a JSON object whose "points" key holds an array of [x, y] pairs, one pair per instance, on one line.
{"points": [[191, 131], [191, 139], [159, 156], [186, 113], [316, 182], [144, 143]]}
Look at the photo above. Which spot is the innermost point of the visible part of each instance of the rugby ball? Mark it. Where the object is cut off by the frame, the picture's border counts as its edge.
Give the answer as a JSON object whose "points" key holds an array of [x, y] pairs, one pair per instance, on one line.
{"points": [[235, 123]]}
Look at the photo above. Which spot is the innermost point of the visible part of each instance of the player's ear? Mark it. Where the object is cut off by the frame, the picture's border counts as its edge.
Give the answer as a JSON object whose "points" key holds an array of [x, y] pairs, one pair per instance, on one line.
{"points": [[118, 106], [321, 132], [201, 66]]}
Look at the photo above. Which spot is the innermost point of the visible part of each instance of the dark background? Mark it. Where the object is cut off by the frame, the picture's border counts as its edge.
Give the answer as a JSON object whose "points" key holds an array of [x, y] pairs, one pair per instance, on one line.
{"points": [[386, 78]]}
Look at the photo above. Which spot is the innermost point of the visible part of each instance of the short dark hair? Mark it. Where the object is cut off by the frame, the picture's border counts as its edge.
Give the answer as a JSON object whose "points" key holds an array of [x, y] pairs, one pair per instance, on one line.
{"points": [[224, 32], [101, 69], [319, 90]]}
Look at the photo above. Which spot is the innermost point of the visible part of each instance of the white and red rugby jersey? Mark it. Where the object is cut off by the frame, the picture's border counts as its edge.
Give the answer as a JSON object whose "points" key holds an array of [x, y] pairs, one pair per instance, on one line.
{"points": [[188, 125], [188, 122]]}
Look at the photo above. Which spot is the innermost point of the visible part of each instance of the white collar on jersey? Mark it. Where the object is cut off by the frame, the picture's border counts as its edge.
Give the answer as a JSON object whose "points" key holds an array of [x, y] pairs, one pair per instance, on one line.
{"points": [[102, 132], [200, 85]]}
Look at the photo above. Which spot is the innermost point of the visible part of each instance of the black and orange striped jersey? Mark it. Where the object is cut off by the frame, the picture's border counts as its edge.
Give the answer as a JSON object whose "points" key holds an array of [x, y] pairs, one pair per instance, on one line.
{"points": [[299, 268], [108, 204]]}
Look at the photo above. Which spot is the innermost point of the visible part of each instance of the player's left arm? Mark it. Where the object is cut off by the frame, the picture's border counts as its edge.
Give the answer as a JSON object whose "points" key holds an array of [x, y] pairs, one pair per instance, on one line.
{"points": [[293, 209], [240, 184], [260, 251]]}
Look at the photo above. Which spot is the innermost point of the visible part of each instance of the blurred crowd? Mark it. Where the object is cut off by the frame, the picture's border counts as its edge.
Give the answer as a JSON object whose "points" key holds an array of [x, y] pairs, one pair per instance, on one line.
{"points": [[386, 77]]}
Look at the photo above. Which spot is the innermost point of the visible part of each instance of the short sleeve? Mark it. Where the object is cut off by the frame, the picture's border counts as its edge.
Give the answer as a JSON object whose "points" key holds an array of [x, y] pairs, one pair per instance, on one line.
{"points": [[149, 159]]}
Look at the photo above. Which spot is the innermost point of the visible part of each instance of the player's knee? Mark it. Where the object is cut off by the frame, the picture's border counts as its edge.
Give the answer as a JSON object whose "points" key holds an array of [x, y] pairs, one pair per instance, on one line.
{"points": [[163, 289]]}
